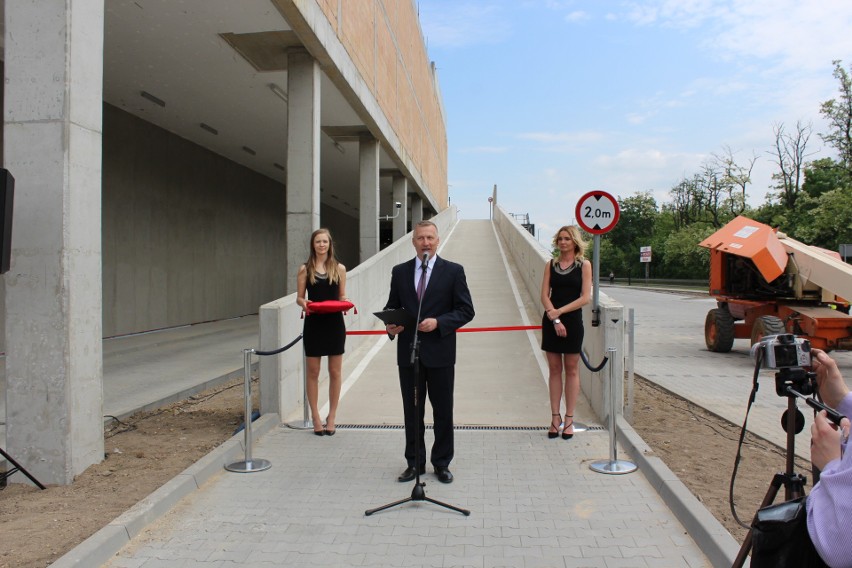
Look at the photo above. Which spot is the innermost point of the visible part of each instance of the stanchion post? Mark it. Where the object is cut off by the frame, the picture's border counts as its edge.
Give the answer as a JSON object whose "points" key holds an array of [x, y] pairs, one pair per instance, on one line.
{"points": [[628, 361], [613, 466], [249, 465]]}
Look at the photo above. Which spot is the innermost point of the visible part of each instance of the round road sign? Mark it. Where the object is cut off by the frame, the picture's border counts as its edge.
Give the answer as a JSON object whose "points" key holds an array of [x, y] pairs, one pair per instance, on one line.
{"points": [[597, 212]]}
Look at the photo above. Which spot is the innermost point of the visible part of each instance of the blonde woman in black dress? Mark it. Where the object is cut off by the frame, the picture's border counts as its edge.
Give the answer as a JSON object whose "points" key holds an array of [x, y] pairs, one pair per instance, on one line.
{"points": [[322, 278], [566, 287]]}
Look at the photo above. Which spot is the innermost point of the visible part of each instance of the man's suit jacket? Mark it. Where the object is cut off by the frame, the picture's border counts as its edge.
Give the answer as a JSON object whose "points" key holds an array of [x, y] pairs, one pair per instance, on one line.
{"points": [[447, 299]]}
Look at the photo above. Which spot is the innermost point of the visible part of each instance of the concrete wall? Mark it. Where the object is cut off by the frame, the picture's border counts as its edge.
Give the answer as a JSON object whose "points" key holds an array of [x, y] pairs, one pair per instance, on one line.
{"points": [[281, 376], [344, 231], [188, 236], [530, 257]]}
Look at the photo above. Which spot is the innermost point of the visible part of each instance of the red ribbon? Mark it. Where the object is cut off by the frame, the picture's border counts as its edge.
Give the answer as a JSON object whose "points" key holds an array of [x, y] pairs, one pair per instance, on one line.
{"points": [[462, 330]]}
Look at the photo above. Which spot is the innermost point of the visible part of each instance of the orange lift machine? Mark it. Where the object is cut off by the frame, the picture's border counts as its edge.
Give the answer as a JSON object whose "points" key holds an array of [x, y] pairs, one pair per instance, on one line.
{"points": [[766, 283]]}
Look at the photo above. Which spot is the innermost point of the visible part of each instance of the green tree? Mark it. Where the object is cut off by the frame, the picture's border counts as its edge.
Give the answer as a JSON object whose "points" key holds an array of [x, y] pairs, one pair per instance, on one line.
{"points": [[824, 175], [612, 258], [681, 255], [735, 179], [790, 153], [838, 112], [635, 229], [828, 221], [636, 221]]}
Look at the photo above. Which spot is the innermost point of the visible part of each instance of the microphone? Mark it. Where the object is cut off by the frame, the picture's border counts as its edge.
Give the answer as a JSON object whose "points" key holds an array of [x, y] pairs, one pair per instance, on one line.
{"points": [[425, 259]]}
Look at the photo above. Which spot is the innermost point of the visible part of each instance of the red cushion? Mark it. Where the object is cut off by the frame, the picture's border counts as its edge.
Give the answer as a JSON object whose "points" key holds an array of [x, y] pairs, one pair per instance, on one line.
{"points": [[329, 306]]}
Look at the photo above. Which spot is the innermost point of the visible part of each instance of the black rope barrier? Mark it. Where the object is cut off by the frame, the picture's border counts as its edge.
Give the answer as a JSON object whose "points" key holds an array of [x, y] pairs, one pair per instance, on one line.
{"points": [[589, 365], [280, 349]]}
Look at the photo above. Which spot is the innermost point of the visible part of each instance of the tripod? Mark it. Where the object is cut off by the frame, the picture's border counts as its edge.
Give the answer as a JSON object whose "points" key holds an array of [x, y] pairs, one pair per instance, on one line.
{"points": [[794, 484], [418, 493], [16, 467]]}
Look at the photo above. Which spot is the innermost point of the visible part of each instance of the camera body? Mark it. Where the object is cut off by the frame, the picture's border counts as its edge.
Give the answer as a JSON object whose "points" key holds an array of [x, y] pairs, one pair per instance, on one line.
{"points": [[783, 351]]}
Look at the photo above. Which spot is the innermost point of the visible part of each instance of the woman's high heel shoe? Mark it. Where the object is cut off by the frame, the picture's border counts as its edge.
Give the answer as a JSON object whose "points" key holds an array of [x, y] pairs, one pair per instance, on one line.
{"points": [[568, 424], [327, 431], [554, 433], [321, 431]]}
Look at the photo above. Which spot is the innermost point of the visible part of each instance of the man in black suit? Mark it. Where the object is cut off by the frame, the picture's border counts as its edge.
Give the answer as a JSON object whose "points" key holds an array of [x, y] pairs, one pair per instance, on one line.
{"points": [[446, 307]]}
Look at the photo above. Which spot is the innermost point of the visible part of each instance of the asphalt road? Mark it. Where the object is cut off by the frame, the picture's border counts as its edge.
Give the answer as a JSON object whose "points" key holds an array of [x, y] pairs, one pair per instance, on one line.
{"points": [[670, 351]]}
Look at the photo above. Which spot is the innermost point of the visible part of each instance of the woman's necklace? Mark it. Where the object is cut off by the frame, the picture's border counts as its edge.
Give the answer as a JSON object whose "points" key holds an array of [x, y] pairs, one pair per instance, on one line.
{"points": [[565, 270], [319, 267]]}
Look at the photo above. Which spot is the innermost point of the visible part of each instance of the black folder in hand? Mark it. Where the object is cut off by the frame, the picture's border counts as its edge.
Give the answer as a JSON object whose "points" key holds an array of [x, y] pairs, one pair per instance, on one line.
{"points": [[395, 317]]}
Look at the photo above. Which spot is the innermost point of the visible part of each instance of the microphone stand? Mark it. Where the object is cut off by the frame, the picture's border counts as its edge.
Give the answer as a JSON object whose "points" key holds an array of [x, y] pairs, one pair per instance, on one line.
{"points": [[418, 493]]}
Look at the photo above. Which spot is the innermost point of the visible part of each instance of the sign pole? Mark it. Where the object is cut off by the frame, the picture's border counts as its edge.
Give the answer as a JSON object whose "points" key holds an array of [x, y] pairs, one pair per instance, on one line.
{"points": [[596, 277]]}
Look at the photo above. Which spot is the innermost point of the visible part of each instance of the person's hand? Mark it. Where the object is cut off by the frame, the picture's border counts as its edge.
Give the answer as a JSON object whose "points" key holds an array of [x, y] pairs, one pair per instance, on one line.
{"points": [[307, 307], [427, 325], [394, 329], [552, 314], [826, 438], [560, 329], [832, 389]]}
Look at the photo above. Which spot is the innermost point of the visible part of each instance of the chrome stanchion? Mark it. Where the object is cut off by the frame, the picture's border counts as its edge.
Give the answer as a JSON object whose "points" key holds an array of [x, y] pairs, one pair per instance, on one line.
{"points": [[248, 465], [613, 466]]}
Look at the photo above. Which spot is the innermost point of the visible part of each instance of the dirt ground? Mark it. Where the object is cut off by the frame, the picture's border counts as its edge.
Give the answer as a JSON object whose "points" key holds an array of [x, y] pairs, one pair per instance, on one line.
{"points": [[146, 450]]}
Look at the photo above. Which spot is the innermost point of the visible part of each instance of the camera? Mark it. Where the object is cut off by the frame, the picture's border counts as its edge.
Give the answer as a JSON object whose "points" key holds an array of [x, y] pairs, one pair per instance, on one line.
{"points": [[783, 351], [397, 204]]}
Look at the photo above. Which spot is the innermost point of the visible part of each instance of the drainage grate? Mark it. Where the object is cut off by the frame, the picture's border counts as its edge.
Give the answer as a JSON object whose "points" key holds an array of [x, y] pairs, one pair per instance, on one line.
{"points": [[460, 427]]}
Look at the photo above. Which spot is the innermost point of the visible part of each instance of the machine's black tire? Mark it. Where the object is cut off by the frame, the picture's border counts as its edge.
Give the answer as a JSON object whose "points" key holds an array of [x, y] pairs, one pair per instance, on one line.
{"points": [[719, 330], [766, 325]]}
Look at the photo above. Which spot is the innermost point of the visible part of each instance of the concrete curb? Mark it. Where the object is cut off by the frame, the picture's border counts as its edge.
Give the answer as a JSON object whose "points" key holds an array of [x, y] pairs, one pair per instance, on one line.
{"points": [[104, 544], [708, 533]]}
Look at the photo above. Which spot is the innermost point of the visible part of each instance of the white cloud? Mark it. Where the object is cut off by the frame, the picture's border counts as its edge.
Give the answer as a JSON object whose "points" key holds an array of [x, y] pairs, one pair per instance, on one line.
{"points": [[562, 142], [454, 24], [673, 13], [640, 169], [577, 16], [797, 35], [484, 150], [637, 118]]}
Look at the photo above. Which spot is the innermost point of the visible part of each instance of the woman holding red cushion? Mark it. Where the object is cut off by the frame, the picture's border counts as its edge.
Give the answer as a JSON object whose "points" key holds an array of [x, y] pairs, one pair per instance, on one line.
{"points": [[322, 278]]}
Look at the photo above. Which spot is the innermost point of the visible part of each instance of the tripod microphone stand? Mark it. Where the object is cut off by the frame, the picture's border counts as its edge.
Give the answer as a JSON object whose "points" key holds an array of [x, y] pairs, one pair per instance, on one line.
{"points": [[418, 493]]}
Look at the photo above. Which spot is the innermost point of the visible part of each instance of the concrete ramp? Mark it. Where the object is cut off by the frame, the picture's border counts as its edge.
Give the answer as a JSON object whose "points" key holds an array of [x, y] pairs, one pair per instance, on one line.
{"points": [[500, 374]]}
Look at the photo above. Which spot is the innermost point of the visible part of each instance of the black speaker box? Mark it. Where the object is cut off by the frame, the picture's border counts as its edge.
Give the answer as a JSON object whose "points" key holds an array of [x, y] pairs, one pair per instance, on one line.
{"points": [[7, 198]]}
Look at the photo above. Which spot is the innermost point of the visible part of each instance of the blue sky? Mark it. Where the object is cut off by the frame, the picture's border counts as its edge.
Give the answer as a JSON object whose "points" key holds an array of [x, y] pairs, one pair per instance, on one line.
{"points": [[550, 99]]}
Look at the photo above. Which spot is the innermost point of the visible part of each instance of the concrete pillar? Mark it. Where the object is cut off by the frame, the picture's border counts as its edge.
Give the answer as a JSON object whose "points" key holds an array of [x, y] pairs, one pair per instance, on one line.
{"points": [[400, 193], [53, 139], [368, 182], [303, 158], [416, 210]]}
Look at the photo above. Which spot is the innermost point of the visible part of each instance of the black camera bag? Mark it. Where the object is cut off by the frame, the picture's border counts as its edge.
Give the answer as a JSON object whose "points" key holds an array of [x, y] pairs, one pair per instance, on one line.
{"points": [[780, 537]]}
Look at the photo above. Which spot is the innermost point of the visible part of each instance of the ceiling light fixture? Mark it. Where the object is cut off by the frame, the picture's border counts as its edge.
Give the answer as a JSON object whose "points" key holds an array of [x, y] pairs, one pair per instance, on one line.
{"points": [[248, 150], [152, 98], [278, 91], [209, 128], [339, 147]]}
